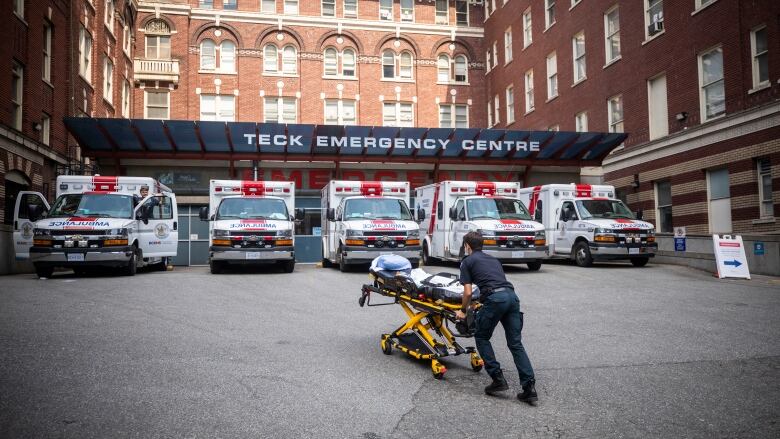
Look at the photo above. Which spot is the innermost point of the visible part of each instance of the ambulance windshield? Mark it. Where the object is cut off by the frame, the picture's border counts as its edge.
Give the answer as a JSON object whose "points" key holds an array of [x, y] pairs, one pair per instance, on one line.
{"points": [[252, 208], [496, 208], [376, 208], [94, 205], [603, 209]]}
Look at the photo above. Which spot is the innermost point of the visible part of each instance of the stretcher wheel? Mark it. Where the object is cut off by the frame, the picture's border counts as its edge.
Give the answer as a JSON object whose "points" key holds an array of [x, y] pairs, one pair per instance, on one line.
{"points": [[387, 348], [438, 369], [476, 362]]}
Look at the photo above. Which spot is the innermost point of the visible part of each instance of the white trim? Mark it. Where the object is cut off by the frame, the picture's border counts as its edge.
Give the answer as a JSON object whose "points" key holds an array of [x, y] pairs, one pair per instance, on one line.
{"points": [[607, 36], [757, 85], [702, 99], [700, 8]]}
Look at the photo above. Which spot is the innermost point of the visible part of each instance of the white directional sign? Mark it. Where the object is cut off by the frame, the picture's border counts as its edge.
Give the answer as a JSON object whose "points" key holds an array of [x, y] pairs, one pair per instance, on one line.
{"points": [[730, 256]]}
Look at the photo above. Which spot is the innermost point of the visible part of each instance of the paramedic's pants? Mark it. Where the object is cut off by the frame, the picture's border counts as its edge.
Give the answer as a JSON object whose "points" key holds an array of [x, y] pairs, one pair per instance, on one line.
{"points": [[503, 307]]}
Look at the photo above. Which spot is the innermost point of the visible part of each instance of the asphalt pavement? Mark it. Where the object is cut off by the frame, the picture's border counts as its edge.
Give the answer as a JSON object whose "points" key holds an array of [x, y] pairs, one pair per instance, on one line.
{"points": [[660, 351]]}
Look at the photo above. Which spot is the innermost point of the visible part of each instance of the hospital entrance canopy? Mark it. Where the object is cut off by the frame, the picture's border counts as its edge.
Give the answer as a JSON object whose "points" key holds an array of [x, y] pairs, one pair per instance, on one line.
{"points": [[207, 140]]}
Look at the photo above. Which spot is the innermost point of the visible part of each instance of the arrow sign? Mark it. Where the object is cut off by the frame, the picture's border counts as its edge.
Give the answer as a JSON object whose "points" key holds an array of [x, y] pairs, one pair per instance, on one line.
{"points": [[730, 256], [735, 263]]}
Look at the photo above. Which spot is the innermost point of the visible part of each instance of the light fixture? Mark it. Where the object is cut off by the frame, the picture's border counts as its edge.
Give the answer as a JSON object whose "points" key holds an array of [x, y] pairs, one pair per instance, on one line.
{"points": [[681, 116], [635, 183], [37, 126]]}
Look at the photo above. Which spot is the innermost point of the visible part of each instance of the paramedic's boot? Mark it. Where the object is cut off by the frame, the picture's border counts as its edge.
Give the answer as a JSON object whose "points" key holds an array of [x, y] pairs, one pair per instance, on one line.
{"points": [[528, 394], [498, 385]]}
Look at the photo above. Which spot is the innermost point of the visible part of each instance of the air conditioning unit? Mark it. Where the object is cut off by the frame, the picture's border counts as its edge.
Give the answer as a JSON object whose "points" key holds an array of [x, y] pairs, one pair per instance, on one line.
{"points": [[476, 2], [655, 27], [387, 15]]}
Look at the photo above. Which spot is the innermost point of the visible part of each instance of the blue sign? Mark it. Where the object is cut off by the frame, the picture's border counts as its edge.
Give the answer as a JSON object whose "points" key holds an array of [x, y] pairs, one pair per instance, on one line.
{"points": [[679, 244], [758, 248]]}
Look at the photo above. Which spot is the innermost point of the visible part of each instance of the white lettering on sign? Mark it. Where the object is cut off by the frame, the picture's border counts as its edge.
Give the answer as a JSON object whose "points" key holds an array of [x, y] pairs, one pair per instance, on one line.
{"points": [[395, 143], [275, 140], [500, 145]]}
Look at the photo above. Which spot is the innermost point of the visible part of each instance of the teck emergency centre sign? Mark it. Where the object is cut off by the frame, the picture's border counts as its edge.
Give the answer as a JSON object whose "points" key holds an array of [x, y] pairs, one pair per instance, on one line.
{"points": [[730, 256]]}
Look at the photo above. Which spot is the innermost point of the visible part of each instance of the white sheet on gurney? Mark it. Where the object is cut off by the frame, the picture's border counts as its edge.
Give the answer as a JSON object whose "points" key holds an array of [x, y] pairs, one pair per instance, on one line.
{"points": [[419, 275]]}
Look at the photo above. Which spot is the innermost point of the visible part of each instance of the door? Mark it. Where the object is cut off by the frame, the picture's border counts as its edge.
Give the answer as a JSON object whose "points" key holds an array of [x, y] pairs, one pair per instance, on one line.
{"points": [[23, 227], [457, 228], [160, 235], [566, 234]]}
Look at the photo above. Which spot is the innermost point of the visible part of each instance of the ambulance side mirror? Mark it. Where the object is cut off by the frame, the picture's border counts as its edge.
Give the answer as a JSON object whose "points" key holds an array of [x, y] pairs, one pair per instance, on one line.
{"points": [[299, 214], [142, 215], [204, 213], [420, 214], [34, 212], [331, 214], [453, 214]]}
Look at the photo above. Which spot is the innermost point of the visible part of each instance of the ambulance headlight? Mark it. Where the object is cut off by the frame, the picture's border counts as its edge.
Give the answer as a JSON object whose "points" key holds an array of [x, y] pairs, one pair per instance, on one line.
{"points": [[487, 233], [600, 231], [413, 233], [540, 235], [41, 232], [117, 232], [354, 233], [218, 233], [284, 233]]}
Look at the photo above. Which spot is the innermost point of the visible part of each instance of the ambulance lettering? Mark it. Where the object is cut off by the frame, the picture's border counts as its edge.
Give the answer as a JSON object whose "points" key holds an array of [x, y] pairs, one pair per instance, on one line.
{"points": [[383, 225], [512, 225], [623, 224], [251, 224], [79, 223]]}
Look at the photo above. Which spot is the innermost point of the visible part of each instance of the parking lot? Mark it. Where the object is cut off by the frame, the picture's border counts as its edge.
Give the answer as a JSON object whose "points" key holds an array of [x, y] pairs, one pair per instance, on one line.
{"points": [[660, 351]]}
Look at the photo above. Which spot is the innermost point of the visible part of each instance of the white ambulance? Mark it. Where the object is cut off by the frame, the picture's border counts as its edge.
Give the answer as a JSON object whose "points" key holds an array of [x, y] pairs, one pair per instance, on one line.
{"points": [[587, 222], [251, 222], [97, 221], [364, 219], [454, 208]]}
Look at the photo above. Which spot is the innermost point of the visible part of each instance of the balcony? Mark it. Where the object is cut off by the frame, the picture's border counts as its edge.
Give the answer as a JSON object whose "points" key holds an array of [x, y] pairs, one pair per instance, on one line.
{"points": [[156, 70]]}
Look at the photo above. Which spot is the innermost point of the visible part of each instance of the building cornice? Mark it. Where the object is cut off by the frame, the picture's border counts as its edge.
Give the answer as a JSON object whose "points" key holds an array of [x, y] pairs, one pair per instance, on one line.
{"points": [[727, 128], [310, 21], [29, 149]]}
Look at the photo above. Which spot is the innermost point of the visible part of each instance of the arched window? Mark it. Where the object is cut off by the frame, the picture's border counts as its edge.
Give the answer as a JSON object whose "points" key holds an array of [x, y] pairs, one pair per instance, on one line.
{"points": [[461, 68], [158, 40], [208, 55], [388, 64], [405, 65], [348, 63], [331, 62], [289, 60], [227, 57], [443, 69], [270, 59]]}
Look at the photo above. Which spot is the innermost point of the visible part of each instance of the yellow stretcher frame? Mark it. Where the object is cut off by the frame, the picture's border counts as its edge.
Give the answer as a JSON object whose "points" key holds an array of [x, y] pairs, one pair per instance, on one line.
{"points": [[424, 315]]}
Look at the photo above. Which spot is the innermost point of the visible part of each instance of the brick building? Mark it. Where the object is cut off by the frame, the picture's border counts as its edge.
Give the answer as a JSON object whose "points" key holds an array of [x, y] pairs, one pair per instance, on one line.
{"points": [[695, 83]]}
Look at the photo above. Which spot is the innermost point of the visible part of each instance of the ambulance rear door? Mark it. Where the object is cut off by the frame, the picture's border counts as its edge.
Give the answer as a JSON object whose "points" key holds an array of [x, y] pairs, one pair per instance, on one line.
{"points": [[23, 226], [159, 236]]}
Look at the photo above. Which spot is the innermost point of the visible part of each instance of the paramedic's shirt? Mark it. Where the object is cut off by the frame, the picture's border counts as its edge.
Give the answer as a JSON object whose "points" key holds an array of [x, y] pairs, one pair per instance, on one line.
{"points": [[483, 270]]}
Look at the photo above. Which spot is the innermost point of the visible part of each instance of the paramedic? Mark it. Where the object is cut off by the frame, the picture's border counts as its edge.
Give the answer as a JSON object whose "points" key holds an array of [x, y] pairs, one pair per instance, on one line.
{"points": [[499, 304]]}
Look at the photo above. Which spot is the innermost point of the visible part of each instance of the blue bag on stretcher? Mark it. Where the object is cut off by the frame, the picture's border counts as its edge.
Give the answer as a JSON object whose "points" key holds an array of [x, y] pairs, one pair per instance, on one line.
{"points": [[441, 286]]}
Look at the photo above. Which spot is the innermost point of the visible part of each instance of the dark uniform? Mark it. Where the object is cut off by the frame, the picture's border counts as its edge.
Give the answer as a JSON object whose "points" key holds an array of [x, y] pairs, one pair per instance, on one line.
{"points": [[499, 304]]}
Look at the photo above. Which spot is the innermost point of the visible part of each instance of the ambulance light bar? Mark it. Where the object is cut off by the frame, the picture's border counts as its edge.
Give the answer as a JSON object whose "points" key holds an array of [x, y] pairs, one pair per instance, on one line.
{"points": [[251, 190]]}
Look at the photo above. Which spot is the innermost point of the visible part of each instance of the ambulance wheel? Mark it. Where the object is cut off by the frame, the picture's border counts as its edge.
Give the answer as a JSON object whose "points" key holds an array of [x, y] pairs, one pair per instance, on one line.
{"points": [[132, 266], [476, 362], [44, 271], [438, 369], [326, 262], [427, 260], [215, 266], [343, 266], [288, 266], [582, 255], [535, 265], [387, 348], [640, 262], [163, 265]]}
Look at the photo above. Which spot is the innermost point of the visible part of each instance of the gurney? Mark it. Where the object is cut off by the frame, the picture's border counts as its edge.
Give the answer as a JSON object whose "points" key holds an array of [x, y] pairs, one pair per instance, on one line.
{"points": [[430, 303]]}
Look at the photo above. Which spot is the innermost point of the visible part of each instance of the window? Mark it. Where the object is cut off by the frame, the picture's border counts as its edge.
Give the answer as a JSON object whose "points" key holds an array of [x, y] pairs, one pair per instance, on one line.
{"points": [[461, 68], [442, 12], [126, 39], [758, 49], [462, 12], [385, 9], [159, 47], [348, 63], [108, 80], [407, 10], [206, 4], [487, 61], [719, 201], [46, 129], [157, 104], [490, 114], [702, 3], [397, 114], [453, 116], [555, 127], [46, 67], [508, 45], [615, 114], [663, 203], [575, 3], [270, 59], [712, 94], [227, 57], [331, 62], [765, 188], [328, 8], [17, 94], [612, 34], [126, 98], [289, 60], [85, 54], [578, 55], [654, 17], [397, 66], [549, 13], [19, 8], [388, 64], [496, 110], [229, 4], [581, 122], [527, 28], [268, 6], [552, 76], [529, 91], [350, 8], [280, 109], [443, 68], [452, 70], [340, 112], [657, 107], [220, 57], [108, 15], [217, 107], [288, 65], [495, 54], [291, 6], [208, 55], [510, 105]]}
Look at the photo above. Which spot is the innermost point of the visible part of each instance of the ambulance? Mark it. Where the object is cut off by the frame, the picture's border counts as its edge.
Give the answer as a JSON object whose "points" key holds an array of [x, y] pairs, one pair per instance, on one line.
{"points": [[454, 208], [364, 219], [587, 222], [251, 222], [97, 221]]}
